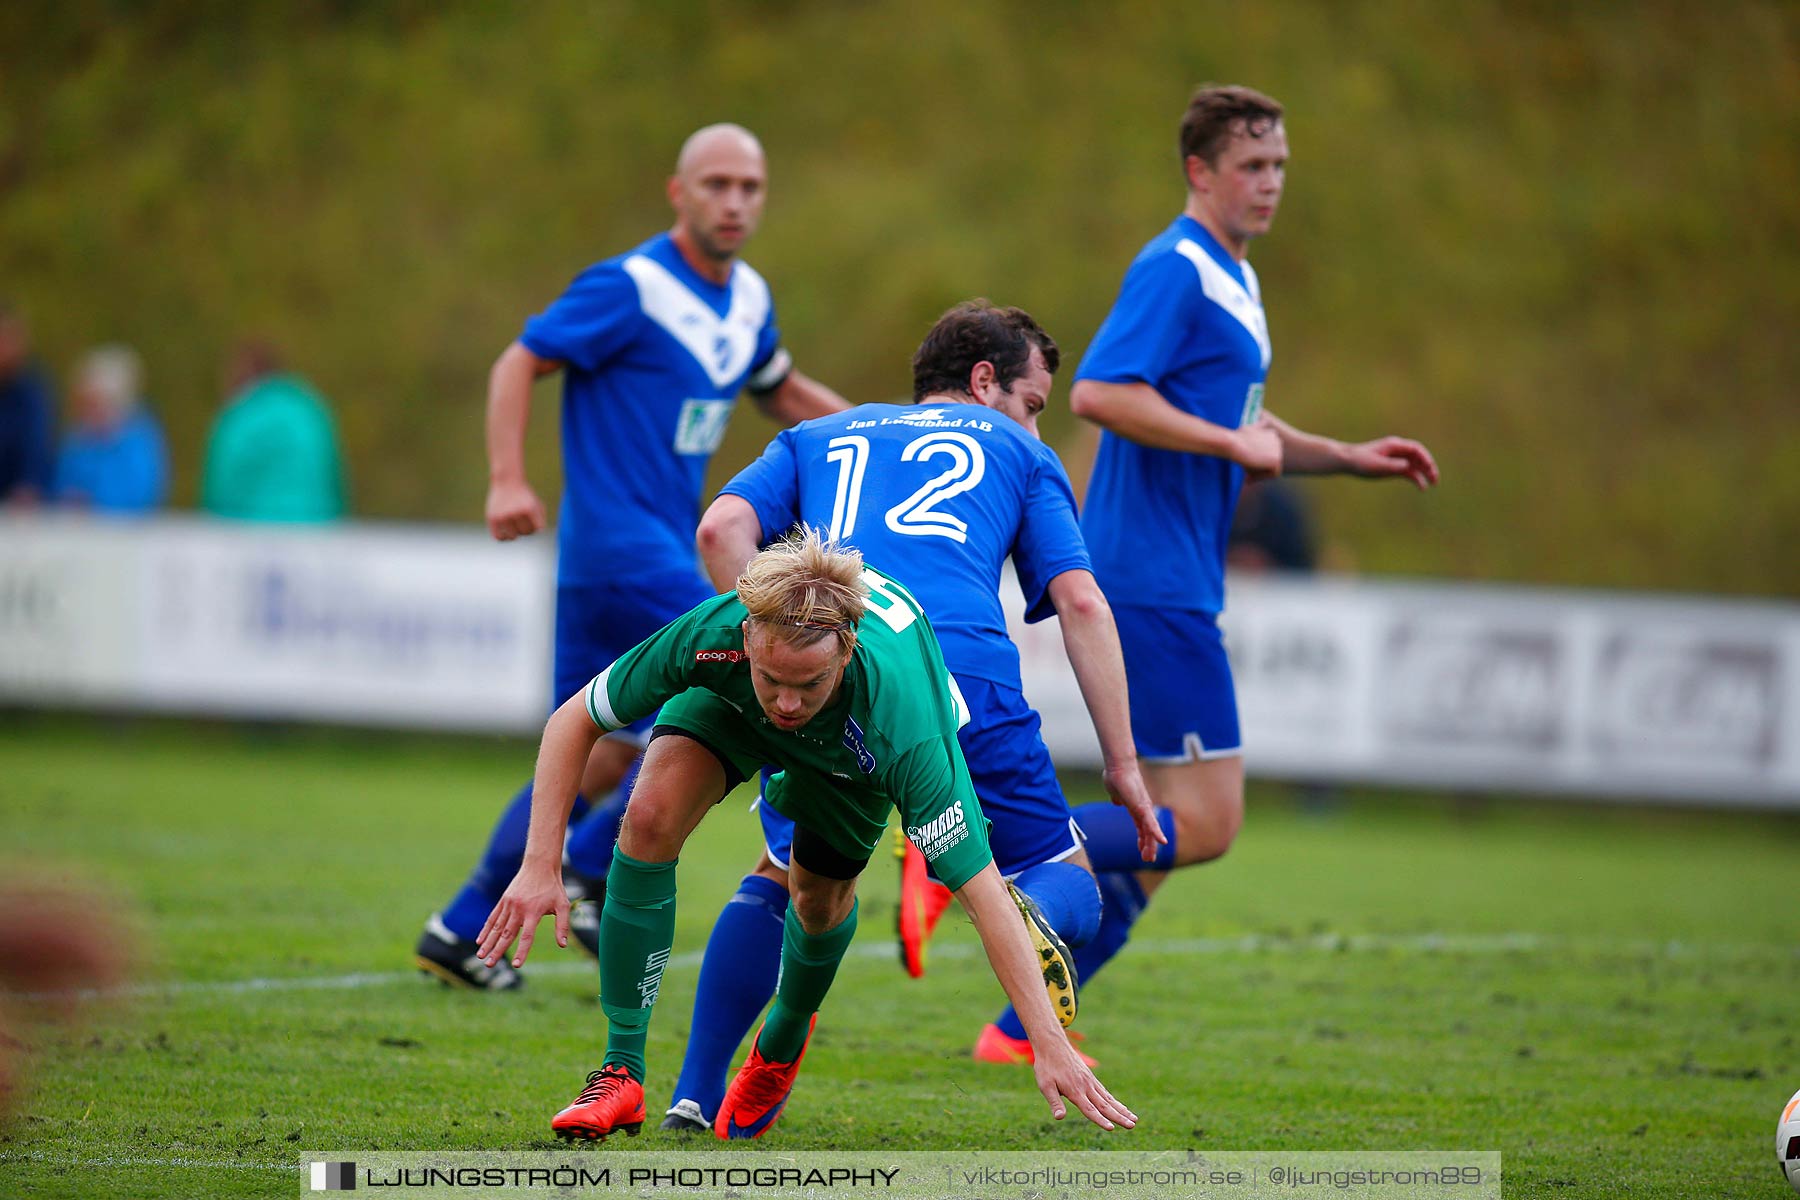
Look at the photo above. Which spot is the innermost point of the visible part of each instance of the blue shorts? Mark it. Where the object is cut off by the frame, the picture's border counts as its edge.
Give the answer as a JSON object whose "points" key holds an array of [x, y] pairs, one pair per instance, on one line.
{"points": [[1014, 780], [1183, 705], [597, 622]]}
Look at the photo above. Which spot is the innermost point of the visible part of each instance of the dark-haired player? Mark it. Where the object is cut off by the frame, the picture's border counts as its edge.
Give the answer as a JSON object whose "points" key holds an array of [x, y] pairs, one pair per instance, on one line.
{"points": [[942, 491]]}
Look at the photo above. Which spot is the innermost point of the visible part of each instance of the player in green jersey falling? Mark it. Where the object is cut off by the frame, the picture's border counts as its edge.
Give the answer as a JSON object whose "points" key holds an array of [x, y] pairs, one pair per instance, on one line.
{"points": [[829, 670]]}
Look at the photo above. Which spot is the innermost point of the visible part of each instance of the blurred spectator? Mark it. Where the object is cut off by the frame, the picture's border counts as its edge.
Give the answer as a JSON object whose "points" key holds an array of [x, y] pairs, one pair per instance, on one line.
{"points": [[113, 458], [273, 452], [25, 414], [1272, 530]]}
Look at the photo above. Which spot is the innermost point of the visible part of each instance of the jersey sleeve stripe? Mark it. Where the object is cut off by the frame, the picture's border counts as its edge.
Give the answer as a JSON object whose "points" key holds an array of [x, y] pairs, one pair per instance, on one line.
{"points": [[961, 705], [599, 705]]}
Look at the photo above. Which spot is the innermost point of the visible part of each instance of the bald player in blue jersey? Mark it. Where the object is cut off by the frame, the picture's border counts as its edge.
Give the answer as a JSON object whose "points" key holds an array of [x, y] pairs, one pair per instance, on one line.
{"points": [[944, 490], [1175, 378], [654, 346]]}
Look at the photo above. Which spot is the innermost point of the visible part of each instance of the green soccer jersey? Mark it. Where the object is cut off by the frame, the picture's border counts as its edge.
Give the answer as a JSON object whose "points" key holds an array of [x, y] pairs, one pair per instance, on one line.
{"points": [[888, 740]]}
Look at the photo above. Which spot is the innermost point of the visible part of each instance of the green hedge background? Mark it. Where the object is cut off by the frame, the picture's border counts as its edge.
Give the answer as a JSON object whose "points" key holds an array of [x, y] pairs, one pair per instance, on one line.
{"points": [[1559, 242]]}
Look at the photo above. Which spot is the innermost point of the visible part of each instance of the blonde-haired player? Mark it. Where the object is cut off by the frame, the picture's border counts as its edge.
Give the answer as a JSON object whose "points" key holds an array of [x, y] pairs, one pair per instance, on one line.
{"points": [[828, 669]]}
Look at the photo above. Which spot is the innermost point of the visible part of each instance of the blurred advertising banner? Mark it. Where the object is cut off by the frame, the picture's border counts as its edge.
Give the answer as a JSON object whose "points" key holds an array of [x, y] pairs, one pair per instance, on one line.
{"points": [[357, 624], [1438, 685], [1484, 686]]}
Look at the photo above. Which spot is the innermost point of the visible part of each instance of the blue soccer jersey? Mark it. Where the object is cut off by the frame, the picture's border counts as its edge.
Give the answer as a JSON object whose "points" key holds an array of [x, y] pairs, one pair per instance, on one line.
{"points": [[1188, 322], [654, 356], [940, 496]]}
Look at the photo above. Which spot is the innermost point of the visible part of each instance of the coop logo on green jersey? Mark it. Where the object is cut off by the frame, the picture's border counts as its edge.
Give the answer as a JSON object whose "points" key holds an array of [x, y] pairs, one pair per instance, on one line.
{"points": [[941, 833]]}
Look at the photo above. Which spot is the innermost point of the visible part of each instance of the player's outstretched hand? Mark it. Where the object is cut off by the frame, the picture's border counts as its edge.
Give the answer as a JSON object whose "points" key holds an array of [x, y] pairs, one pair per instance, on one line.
{"points": [[531, 896], [513, 510], [1125, 785], [1060, 1073], [1394, 456]]}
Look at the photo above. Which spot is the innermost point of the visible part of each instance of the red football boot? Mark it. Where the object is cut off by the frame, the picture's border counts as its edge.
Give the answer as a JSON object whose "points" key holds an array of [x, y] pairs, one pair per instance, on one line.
{"points": [[611, 1101], [993, 1046], [759, 1091], [922, 902]]}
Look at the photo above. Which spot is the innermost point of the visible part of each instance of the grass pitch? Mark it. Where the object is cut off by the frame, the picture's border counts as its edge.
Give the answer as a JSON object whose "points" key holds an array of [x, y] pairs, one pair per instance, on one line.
{"points": [[1602, 994]]}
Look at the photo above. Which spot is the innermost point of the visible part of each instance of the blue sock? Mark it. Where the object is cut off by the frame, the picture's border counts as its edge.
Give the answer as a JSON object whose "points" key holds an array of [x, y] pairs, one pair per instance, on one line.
{"points": [[1069, 900], [737, 977], [590, 846], [466, 914], [1123, 899], [1112, 838], [1124, 902], [1067, 896]]}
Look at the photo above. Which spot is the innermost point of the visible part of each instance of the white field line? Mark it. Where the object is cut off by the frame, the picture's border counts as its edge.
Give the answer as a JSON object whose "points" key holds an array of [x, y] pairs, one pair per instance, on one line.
{"points": [[1428, 943], [134, 1162], [1476, 944]]}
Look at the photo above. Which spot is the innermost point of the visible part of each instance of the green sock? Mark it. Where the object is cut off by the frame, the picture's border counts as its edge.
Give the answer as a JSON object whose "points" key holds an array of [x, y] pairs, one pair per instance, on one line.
{"points": [[637, 930], [809, 962]]}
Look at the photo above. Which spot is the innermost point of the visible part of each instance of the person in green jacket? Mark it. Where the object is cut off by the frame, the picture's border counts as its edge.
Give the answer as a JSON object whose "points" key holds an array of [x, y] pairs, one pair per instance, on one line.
{"points": [[273, 451]]}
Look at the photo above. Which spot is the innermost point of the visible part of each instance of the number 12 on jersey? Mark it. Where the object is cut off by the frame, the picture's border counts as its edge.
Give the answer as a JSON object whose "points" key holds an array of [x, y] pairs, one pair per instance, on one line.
{"points": [[917, 515]]}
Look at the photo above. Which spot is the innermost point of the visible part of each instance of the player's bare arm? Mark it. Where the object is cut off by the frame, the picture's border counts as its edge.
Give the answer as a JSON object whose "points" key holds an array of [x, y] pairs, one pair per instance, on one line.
{"points": [[728, 539], [513, 509], [537, 890], [798, 398], [1060, 1071], [1091, 641], [1383, 458], [1140, 413]]}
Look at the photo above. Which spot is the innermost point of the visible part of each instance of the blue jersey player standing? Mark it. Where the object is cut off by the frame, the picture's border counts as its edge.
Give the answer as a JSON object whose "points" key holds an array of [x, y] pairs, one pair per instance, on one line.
{"points": [[1174, 378], [654, 346], [943, 491]]}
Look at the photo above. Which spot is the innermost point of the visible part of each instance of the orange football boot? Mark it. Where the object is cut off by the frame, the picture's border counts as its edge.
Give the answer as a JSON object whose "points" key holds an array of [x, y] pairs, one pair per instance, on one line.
{"points": [[922, 902], [611, 1101], [993, 1046], [759, 1091]]}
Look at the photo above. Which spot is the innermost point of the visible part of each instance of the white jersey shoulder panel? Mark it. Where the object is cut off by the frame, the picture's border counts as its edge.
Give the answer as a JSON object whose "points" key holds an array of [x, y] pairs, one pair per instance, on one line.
{"points": [[723, 346], [1243, 304]]}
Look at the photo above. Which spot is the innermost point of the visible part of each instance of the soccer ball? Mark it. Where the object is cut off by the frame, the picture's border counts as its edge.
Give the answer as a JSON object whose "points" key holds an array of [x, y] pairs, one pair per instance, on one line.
{"points": [[1787, 1142]]}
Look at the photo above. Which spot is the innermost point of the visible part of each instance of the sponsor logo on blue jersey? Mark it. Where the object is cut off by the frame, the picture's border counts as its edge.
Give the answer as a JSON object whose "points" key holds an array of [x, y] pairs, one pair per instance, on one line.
{"points": [[930, 418]]}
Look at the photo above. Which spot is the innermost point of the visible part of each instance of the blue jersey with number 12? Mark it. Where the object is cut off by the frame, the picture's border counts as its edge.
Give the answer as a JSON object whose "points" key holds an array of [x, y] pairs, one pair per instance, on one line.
{"points": [[655, 355], [1188, 322], [938, 496]]}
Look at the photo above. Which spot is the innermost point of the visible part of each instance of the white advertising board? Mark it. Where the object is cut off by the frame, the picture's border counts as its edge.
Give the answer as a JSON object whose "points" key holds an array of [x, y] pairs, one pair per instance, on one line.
{"points": [[1458, 686], [1491, 687], [387, 625]]}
